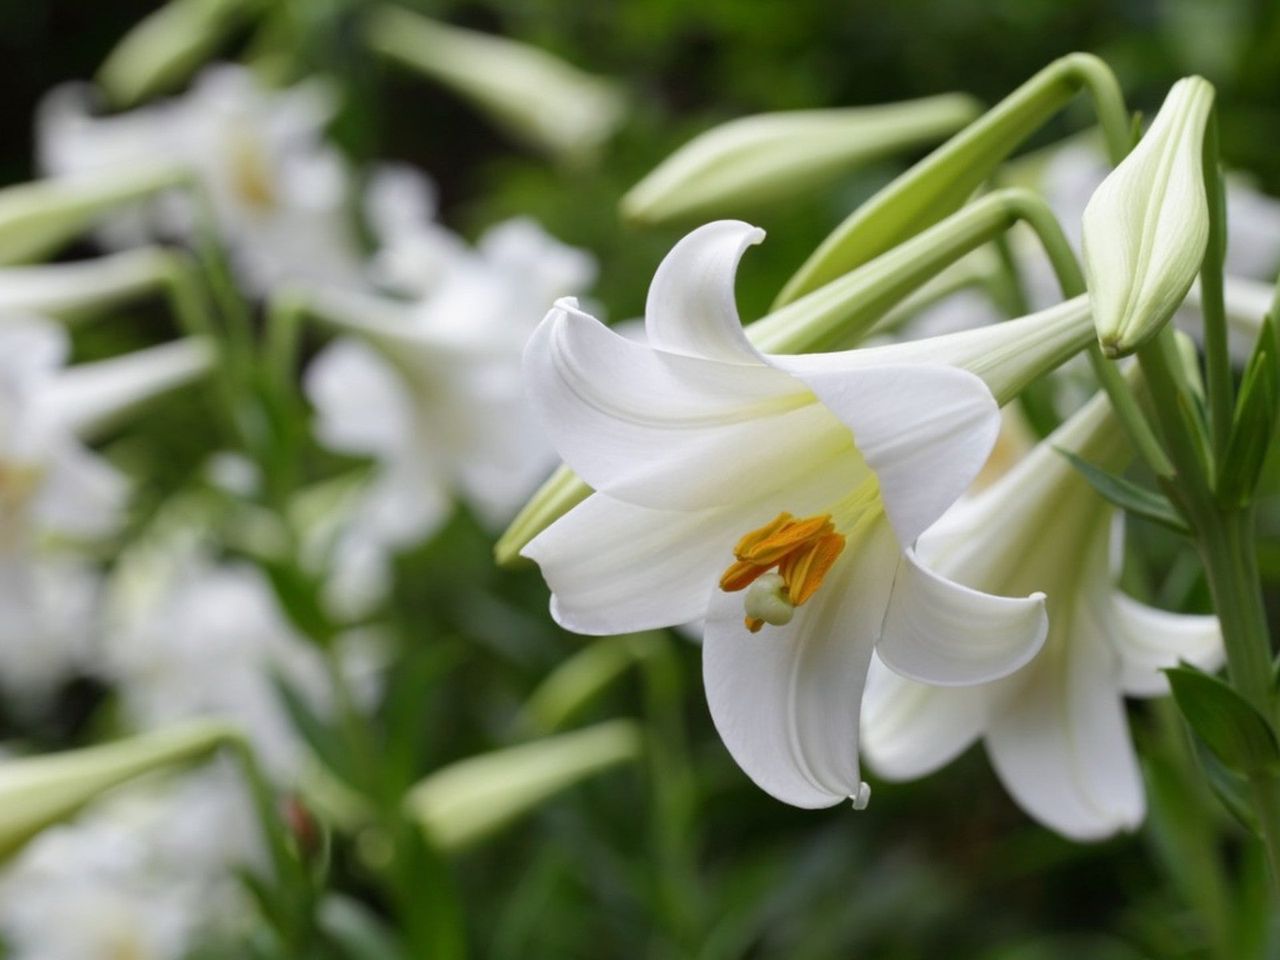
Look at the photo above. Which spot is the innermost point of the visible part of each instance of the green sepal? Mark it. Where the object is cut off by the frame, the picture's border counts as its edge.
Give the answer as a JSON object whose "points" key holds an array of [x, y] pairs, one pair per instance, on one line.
{"points": [[1128, 496], [1237, 733], [1253, 426]]}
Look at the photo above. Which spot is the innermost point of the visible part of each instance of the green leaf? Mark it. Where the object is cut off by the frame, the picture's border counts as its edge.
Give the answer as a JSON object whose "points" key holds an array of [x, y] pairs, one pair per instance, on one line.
{"points": [[1129, 496], [1254, 425], [329, 745], [1231, 789], [1228, 724]]}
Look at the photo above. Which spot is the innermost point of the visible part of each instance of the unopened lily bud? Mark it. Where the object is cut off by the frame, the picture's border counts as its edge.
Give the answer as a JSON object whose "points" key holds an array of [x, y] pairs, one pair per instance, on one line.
{"points": [[85, 287], [473, 797], [772, 156], [541, 99], [36, 792], [36, 218], [1147, 226], [167, 45]]}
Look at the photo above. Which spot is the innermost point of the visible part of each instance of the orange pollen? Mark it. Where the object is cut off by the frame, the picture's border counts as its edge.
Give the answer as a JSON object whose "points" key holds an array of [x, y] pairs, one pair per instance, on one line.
{"points": [[803, 551]]}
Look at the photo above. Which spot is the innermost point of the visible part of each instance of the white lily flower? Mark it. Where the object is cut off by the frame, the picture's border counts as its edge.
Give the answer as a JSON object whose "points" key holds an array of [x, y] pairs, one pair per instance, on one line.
{"points": [[777, 497], [279, 193], [189, 638], [433, 392], [1055, 730], [1146, 226], [147, 873], [53, 490]]}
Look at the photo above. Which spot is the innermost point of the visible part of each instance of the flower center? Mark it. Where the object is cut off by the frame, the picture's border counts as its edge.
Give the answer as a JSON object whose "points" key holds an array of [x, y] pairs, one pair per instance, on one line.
{"points": [[251, 174], [801, 551], [18, 481]]}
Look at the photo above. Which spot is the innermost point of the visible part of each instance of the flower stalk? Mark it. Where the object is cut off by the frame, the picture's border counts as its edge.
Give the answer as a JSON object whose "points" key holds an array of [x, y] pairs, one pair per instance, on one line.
{"points": [[942, 182]]}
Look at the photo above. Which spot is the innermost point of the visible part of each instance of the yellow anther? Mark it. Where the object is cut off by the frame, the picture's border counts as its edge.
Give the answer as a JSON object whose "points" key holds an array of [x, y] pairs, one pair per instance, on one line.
{"points": [[803, 552]]}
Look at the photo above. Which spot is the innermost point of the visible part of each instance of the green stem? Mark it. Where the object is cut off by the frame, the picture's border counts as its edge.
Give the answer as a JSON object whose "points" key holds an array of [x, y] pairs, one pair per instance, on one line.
{"points": [[1226, 541], [1127, 411], [1213, 304], [944, 180]]}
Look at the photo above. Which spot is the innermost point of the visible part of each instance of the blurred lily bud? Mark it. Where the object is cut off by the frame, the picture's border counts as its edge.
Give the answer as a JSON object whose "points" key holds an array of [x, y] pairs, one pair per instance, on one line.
{"points": [[539, 98], [473, 797], [166, 46], [773, 156], [37, 218], [37, 792], [1147, 225]]}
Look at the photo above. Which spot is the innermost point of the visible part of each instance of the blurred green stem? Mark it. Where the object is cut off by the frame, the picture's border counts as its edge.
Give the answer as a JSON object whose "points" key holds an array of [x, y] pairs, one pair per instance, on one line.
{"points": [[1212, 302], [674, 859], [1230, 557]]}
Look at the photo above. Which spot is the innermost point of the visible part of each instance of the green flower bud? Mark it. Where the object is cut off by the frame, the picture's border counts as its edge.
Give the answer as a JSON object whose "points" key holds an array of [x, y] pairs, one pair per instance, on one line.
{"points": [[1147, 226], [37, 792], [754, 160], [471, 798]]}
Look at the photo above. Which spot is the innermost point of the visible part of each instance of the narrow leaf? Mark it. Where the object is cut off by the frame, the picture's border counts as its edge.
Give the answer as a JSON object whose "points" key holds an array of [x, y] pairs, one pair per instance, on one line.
{"points": [[1227, 723], [1129, 496]]}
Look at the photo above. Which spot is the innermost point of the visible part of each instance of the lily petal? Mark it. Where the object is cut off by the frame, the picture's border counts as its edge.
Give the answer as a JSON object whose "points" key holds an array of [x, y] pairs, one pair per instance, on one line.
{"points": [[911, 729], [82, 494], [942, 632], [786, 700], [92, 397], [616, 568], [657, 429], [1149, 640], [925, 429], [362, 405], [691, 308], [1061, 745]]}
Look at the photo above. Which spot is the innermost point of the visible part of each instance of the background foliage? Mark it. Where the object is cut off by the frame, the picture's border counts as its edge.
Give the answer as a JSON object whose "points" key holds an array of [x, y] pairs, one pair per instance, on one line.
{"points": [[683, 856]]}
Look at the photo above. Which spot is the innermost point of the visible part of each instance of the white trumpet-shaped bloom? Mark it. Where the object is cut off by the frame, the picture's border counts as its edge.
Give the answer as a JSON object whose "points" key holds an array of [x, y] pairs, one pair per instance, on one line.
{"points": [[148, 873], [55, 493], [776, 497], [430, 388], [279, 192], [1055, 730]]}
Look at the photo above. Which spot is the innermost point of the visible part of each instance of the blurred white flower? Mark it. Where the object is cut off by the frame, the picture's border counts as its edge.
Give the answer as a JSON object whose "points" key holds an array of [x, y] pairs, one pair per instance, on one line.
{"points": [[146, 874], [432, 389], [778, 496], [51, 486], [1055, 730], [279, 193], [188, 638]]}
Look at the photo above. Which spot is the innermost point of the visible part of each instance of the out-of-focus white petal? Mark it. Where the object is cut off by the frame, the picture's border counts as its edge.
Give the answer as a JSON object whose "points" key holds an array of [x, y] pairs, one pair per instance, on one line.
{"points": [[362, 407], [1149, 640], [786, 700], [90, 397], [942, 632], [658, 429], [81, 495], [911, 729], [691, 308], [1061, 743]]}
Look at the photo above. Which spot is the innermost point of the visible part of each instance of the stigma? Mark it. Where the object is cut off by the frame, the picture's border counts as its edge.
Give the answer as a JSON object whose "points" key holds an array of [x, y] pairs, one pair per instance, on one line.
{"points": [[783, 563]]}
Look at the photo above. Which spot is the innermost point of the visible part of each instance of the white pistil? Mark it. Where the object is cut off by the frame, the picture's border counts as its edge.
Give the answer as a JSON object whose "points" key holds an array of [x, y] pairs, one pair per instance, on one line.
{"points": [[766, 600]]}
